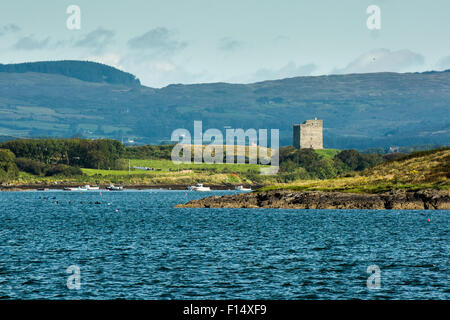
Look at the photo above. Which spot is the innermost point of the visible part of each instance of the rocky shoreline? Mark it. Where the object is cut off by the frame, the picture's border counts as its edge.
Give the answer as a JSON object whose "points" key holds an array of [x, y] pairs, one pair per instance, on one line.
{"points": [[286, 199]]}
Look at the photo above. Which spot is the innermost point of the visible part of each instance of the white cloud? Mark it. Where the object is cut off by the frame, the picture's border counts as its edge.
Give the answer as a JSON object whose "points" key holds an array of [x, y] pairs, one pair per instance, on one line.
{"points": [[229, 44], [383, 60], [31, 43], [159, 41], [111, 59], [288, 71], [9, 28], [444, 63], [96, 40], [159, 72], [164, 66]]}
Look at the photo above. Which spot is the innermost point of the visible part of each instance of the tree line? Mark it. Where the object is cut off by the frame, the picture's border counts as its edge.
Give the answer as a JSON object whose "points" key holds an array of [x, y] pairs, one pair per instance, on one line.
{"points": [[61, 156], [307, 164]]}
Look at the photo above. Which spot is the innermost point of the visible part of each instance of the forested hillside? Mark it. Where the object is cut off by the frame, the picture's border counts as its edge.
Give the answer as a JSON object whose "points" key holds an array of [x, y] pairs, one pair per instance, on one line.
{"points": [[82, 70]]}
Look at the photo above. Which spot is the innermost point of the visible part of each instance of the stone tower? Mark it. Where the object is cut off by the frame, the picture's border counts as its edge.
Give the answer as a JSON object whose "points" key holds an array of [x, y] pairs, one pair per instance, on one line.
{"points": [[309, 134]]}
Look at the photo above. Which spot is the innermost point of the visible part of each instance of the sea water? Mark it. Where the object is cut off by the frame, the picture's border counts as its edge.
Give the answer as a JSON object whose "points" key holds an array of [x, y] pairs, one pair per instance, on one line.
{"points": [[136, 245]]}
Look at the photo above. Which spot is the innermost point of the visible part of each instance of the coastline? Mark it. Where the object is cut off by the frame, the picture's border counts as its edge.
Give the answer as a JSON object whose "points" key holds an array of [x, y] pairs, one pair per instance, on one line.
{"points": [[288, 199], [28, 187]]}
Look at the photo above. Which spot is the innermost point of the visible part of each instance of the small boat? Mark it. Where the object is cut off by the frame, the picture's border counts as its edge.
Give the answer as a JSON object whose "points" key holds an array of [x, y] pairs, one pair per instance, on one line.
{"points": [[83, 188], [71, 189], [198, 187], [112, 187], [88, 187], [41, 189], [241, 188]]}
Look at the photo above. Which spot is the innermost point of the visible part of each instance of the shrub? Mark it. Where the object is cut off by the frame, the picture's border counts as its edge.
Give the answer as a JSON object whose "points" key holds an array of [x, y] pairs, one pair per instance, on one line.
{"points": [[8, 168], [298, 174], [120, 164], [394, 156], [355, 161], [41, 169], [31, 166], [62, 170]]}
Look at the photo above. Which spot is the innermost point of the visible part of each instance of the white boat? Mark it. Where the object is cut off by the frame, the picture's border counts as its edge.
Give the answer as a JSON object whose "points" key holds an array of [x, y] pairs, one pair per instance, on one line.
{"points": [[83, 188], [73, 189], [112, 187], [199, 187], [88, 187], [241, 188]]}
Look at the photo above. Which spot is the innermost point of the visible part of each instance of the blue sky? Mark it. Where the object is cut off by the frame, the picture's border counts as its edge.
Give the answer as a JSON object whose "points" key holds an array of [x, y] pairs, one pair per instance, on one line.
{"points": [[240, 41]]}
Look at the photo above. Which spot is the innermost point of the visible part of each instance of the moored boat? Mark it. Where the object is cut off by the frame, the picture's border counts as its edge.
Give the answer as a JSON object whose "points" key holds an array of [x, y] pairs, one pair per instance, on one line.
{"points": [[88, 187], [112, 187], [241, 188], [82, 188], [71, 189], [199, 187]]}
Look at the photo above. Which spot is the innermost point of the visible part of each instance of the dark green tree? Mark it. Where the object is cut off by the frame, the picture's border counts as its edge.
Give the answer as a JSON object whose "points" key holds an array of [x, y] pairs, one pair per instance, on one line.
{"points": [[8, 168]]}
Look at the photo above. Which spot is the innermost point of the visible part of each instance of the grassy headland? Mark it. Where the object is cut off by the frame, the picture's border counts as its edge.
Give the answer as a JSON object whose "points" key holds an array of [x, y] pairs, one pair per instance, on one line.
{"points": [[415, 182], [417, 171]]}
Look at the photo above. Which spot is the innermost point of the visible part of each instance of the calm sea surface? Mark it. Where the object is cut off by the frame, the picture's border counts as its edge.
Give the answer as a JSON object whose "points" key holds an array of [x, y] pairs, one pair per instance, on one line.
{"points": [[136, 245]]}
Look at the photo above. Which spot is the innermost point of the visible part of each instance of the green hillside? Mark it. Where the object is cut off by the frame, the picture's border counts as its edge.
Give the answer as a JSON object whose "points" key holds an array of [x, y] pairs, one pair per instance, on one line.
{"points": [[359, 110], [327, 153], [421, 170]]}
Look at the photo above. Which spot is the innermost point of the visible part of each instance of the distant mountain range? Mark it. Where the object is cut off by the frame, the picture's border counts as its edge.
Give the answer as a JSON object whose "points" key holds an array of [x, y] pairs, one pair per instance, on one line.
{"points": [[76, 98]]}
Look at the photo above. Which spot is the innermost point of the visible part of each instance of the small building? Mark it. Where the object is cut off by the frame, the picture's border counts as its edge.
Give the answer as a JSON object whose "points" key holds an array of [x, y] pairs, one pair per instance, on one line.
{"points": [[309, 134]]}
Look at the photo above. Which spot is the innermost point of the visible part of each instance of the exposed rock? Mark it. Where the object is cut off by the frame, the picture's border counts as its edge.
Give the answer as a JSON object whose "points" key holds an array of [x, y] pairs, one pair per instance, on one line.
{"points": [[396, 199]]}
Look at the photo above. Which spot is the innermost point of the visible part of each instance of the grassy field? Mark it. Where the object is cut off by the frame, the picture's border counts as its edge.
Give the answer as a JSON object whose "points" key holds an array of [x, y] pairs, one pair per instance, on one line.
{"points": [[162, 167], [183, 177], [167, 172], [328, 153], [100, 172], [169, 165]]}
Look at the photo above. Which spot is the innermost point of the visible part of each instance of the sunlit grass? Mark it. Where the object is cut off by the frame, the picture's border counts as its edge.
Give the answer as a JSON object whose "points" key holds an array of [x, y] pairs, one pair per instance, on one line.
{"points": [[429, 170], [327, 153], [169, 165]]}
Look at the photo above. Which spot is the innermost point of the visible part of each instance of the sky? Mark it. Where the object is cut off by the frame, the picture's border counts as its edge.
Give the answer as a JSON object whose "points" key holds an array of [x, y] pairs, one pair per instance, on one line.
{"points": [[238, 41]]}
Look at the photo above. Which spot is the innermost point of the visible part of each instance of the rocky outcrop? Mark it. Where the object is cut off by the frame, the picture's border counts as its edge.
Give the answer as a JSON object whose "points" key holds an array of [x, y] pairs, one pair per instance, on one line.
{"points": [[396, 199]]}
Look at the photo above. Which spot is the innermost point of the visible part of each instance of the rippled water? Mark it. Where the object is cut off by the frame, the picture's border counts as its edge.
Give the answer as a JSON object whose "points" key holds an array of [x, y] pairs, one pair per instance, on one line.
{"points": [[149, 250]]}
